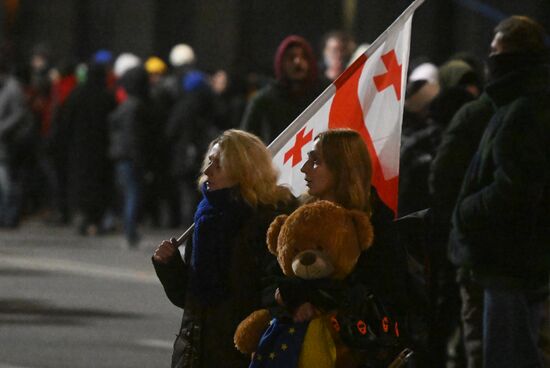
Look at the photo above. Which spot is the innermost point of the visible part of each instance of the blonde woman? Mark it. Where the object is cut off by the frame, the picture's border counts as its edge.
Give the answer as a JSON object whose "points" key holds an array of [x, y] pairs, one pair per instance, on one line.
{"points": [[219, 281]]}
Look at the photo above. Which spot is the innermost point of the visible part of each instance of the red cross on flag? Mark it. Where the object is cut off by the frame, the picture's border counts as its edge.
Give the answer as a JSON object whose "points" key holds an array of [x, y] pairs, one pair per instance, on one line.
{"points": [[367, 97]]}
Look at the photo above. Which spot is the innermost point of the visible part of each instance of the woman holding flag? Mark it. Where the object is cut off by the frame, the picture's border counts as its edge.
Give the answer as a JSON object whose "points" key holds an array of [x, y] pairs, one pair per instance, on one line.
{"points": [[338, 169], [218, 281]]}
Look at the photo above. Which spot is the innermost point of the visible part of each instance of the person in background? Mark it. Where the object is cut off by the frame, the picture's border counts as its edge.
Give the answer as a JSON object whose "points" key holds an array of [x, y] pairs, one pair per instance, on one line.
{"points": [[13, 112], [218, 282], [161, 201], [276, 105], [337, 50], [130, 129], [500, 224], [89, 167]]}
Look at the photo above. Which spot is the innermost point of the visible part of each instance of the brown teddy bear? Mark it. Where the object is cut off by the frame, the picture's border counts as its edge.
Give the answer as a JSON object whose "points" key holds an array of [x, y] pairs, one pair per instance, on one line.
{"points": [[319, 241]]}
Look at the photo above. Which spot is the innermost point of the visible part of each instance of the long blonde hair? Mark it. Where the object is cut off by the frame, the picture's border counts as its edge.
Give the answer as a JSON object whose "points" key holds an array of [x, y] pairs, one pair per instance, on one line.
{"points": [[247, 161], [347, 157]]}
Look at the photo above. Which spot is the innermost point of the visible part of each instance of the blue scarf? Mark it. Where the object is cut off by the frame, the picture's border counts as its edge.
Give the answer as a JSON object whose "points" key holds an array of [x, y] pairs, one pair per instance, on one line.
{"points": [[218, 220]]}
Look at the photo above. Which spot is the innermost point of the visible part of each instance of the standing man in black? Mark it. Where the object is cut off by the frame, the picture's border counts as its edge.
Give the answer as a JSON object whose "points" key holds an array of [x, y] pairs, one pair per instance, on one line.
{"points": [[501, 222]]}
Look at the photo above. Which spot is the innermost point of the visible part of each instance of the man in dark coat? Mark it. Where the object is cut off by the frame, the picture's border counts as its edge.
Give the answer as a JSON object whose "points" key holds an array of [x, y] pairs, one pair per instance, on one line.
{"points": [[280, 102], [458, 145], [85, 125], [501, 222], [131, 135]]}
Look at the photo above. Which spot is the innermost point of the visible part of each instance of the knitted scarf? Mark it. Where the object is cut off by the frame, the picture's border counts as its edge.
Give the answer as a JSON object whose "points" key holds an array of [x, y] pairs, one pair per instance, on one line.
{"points": [[218, 220]]}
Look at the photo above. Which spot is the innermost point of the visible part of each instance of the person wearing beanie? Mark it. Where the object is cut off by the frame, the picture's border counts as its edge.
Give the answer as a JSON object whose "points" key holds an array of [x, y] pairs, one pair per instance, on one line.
{"points": [[130, 140], [155, 65], [182, 54], [500, 224], [295, 86], [125, 62], [103, 57], [182, 60]]}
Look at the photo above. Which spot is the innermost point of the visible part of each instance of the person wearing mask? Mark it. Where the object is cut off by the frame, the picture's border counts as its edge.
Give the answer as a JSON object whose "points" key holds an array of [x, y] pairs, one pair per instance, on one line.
{"points": [[500, 224], [276, 105], [218, 281]]}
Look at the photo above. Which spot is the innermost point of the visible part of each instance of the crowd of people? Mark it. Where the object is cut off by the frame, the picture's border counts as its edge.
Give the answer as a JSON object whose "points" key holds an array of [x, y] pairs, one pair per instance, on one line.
{"points": [[116, 141], [125, 138]]}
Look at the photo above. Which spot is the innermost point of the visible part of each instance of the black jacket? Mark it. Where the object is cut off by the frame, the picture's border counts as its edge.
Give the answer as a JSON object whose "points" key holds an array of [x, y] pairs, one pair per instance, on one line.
{"points": [[273, 109], [206, 334], [458, 145], [501, 223]]}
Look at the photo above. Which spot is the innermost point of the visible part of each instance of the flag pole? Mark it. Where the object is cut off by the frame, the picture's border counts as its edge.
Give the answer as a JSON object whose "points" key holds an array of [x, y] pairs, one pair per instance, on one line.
{"points": [[293, 128]]}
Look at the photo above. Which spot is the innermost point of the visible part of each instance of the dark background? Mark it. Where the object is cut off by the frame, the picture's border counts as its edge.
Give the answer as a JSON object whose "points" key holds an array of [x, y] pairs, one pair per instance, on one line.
{"points": [[242, 35]]}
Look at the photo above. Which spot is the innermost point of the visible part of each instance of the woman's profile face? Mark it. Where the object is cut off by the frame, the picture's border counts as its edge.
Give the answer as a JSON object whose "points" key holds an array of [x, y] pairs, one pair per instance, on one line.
{"points": [[217, 177], [319, 179]]}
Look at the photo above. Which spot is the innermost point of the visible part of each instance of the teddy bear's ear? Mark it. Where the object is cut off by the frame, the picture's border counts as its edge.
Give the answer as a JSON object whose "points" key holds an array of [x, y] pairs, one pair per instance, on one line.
{"points": [[273, 232], [363, 227]]}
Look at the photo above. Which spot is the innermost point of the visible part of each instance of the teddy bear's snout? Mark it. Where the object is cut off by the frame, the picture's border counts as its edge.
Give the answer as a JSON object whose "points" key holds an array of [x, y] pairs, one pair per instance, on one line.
{"points": [[308, 258], [312, 264]]}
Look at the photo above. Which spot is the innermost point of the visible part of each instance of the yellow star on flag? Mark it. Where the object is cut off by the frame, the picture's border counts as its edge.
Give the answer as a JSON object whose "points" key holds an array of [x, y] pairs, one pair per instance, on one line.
{"points": [[272, 356], [284, 347], [291, 330]]}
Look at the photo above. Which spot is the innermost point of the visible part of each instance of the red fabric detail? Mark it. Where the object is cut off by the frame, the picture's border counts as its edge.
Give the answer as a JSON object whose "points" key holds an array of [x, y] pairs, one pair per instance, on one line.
{"points": [[296, 151], [346, 112], [121, 95], [64, 88], [393, 75]]}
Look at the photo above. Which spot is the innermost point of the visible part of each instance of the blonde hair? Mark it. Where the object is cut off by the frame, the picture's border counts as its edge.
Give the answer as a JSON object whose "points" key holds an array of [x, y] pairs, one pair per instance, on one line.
{"points": [[347, 158], [247, 161]]}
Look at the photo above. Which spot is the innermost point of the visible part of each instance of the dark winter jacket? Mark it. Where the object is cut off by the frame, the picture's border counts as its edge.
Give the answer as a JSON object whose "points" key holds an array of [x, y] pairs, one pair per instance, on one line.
{"points": [[419, 149], [190, 128], [86, 129], [272, 109], [206, 335], [458, 145], [131, 122], [501, 223]]}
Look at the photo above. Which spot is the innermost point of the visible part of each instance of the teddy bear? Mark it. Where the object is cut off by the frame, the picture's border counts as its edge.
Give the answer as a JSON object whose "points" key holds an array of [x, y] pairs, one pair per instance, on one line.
{"points": [[317, 246]]}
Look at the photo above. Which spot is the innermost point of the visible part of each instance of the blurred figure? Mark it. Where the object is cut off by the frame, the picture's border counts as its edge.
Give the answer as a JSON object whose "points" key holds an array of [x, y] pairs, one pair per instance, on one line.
{"points": [[129, 128], [182, 59], [456, 80], [53, 159], [160, 197], [276, 105], [338, 47], [422, 87], [229, 99], [105, 58], [90, 170], [500, 231], [123, 63], [191, 126], [13, 120]]}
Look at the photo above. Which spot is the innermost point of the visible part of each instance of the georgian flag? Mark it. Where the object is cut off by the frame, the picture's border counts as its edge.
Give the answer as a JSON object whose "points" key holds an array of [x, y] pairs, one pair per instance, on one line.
{"points": [[367, 97]]}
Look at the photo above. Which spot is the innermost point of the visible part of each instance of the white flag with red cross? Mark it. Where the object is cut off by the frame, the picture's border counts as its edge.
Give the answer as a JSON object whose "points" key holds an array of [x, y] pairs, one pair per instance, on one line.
{"points": [[367, 97]]}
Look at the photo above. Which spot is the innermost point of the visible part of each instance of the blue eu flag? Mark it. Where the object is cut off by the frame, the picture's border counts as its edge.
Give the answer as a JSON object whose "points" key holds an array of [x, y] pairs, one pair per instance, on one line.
{"points": [[280, 345]]}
